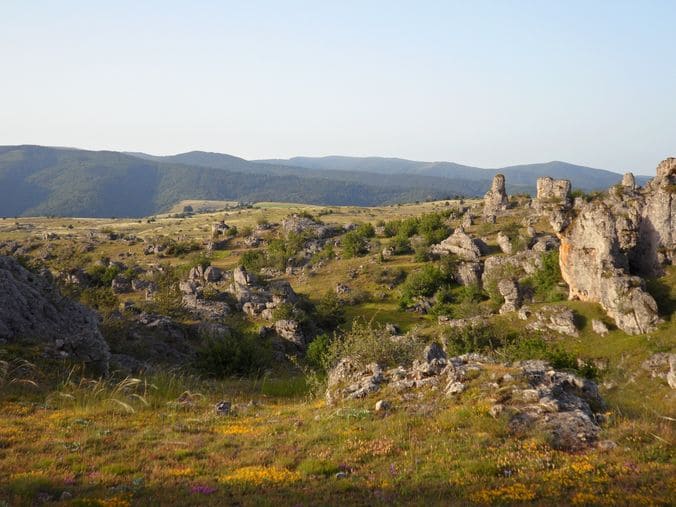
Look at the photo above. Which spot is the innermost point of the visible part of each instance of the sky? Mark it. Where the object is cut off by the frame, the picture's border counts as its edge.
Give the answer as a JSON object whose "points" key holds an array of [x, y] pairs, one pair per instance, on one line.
{"points": [[484, 83]]}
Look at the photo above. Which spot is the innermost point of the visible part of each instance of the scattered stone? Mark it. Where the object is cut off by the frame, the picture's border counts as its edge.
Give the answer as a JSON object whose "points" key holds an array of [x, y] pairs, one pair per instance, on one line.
{"points": [[559, 319], [599, 327], [121, 285], [383, 406], [223, 407]]}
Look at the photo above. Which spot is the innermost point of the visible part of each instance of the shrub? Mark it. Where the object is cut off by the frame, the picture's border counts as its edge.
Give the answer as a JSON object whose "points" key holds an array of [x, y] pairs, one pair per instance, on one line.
{"points": [[364, 344], [329, 312], [423, 283], [401, 245], [354, 245], [253, 260], [318, 353], [545, 280], [481, 338], [366, 230], [235, 354]]}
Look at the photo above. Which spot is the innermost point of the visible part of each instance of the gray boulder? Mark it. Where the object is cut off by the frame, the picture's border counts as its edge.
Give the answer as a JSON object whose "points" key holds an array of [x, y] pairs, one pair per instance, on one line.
{"points": [[32, 308]]}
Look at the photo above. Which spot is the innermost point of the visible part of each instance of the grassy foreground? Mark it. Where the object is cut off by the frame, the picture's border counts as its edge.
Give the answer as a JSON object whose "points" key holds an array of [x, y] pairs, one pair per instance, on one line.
{"points": [[159, 441]]}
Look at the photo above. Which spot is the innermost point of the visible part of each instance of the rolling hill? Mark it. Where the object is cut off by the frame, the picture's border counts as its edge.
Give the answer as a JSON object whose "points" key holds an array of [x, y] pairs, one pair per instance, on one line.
{"points": [[37, 180], [517, 177]]}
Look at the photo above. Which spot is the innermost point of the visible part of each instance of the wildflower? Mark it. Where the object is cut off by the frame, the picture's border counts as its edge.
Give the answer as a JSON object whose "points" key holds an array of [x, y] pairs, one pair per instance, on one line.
{"points": [[257, 475], [203, 489]]}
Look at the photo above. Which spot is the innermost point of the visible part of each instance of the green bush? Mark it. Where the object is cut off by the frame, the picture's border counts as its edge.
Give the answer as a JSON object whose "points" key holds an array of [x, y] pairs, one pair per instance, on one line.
{"points": [[317, 354], [481, 338], [545, 281], [253, 260], [329, 312], [354, 244], [423, 283], [364, 344], [236, 354], [401, 245]]}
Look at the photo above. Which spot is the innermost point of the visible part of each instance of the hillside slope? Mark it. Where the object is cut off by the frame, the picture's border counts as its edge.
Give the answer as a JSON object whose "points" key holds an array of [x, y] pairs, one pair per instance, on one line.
{"points": [[518, 176]]}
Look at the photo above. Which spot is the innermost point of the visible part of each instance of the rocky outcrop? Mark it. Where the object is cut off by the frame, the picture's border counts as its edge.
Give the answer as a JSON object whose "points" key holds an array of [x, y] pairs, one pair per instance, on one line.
{"points": [[496, 198], [550, 318], [657, 228], [461, 244], [604, 243], [628, 181], [32, 308], [551, 191], [532, 396]]}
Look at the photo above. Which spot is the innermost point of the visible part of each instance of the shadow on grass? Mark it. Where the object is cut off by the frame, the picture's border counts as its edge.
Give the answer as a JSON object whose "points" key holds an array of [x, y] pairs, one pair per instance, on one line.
{"points": [[661, 291]]}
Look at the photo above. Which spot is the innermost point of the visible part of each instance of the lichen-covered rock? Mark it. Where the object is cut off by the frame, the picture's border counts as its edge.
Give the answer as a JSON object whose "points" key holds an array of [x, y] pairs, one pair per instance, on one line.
{"points": [[31, 308], [496, 198]]}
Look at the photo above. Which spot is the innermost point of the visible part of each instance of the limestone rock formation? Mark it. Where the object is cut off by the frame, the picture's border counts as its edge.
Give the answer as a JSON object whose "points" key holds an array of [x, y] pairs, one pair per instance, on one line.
{"points": [[628, 181], [509, 290], [611, 237], [496, 198], [32, 308], [461, 244], [551, 191], [561, 405], [504, 243]]}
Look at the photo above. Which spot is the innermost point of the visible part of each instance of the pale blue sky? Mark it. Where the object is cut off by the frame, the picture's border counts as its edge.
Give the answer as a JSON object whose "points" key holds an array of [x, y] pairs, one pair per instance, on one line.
{"points": [[482, 83]]}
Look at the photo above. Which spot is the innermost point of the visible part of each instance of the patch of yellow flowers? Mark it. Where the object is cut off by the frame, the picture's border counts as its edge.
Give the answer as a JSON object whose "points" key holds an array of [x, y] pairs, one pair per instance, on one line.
{"points": [[511, 493], [258, 475]]}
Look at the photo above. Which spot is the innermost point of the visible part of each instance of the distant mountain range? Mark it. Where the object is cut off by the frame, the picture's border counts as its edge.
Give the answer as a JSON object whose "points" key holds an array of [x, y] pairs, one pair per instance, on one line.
{"points": [[37, 180]]}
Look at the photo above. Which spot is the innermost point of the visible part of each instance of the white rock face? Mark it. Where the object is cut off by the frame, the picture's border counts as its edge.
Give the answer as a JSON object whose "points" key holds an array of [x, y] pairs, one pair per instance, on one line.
{"points": [[607, 240]]}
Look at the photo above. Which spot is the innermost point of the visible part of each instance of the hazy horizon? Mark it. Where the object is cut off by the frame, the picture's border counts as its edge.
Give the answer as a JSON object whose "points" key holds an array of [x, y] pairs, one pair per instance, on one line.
{"points": [[484, 84]]}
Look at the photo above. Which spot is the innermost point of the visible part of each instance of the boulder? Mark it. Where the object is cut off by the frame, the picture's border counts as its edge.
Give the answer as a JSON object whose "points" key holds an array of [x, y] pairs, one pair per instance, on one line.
{"points": [[559, 319], [212, 274], [291, 331], [460, 244], [504, 243], [599, 327], [31, 308], [509, 290], [121, 284], [469, 273]]}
